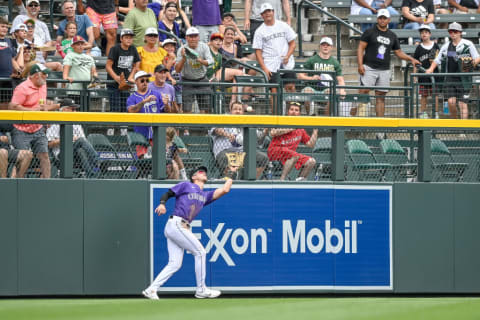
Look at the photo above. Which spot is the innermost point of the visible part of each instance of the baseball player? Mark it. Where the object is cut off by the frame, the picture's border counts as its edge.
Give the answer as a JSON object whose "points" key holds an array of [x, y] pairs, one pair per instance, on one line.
{"points": [[190, 199]]}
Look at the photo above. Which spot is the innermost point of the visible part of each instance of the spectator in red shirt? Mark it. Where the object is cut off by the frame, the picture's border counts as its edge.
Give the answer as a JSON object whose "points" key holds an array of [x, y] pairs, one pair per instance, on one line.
{"points": [[31, 95], [284, 145]]}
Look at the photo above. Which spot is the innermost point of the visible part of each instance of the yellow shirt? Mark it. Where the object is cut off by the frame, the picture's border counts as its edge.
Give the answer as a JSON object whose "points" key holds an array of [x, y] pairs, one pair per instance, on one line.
{"points": [[149, 60]]}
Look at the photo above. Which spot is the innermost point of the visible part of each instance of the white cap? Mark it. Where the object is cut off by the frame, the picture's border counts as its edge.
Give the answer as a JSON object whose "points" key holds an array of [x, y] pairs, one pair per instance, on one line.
{"points": [[151, 31], [20, 27], [167, 41], [326, 40], [455, 26], [140, 74], [383, 13], [424, 27], [127, 32], [266, 6], [192, 31], [30, 1]]}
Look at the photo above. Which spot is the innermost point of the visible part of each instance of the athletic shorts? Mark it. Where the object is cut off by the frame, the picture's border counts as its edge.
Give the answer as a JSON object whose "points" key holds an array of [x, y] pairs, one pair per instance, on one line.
{"points": [[456, 91], [37, 141], [375, 78], [109, 20], [282, 154]]}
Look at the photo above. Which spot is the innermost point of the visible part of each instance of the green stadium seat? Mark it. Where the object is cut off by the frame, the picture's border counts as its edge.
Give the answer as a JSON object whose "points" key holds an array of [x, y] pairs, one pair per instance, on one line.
{"points": [[112, 165], [364, 162], [444, 165], [393, 153]]}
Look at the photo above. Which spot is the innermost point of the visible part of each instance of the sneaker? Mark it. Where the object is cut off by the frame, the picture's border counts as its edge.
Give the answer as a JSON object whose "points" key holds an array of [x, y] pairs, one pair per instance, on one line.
{"points": [[207, 293], [150, 294], [300, 179], [437, 116]]}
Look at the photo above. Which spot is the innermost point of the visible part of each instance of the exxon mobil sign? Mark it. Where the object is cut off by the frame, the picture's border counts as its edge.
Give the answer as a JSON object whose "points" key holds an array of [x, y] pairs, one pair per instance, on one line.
{"points": [[287, 237]]}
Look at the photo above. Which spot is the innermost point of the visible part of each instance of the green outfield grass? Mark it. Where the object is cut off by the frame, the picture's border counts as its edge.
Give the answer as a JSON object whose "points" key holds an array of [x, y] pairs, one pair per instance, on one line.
{"points": [[243, 308]]}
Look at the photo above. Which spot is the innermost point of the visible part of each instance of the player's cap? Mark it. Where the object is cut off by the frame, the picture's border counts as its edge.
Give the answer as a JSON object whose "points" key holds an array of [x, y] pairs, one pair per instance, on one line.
{"points": [[216, 35], [192, 31], [127, 32], [160, 68], [424, 27], [266, 6], [77, 39], [167, 41], [38, 67], [326, 40], [193, 171], [141, 74], [383, 13], [455, 26], [151, 31], [30, 1], [20, 26]]}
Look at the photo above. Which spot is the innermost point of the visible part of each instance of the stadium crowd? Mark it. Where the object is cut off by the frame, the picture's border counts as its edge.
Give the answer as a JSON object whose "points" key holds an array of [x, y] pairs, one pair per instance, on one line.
{"points": [[152, 47]]}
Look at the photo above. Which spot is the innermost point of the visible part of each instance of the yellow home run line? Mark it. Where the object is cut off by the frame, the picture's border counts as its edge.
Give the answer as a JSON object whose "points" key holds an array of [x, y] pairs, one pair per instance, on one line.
{"points": [[245, 120]]}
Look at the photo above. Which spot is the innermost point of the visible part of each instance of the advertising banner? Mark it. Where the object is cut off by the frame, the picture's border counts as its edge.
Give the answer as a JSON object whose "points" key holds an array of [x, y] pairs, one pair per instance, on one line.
{"points": [[285, 237]]}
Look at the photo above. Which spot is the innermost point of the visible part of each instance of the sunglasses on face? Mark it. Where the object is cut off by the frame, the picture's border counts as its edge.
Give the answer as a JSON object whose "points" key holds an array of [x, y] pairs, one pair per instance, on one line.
{"points": [[453, 31], [30, 27], [34, 5], [295, 104], [152, 35], [143, 80]]}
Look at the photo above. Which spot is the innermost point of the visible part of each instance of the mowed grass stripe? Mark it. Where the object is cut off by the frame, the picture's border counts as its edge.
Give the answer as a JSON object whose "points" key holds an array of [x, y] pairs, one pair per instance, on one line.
{"points": [[243, 308]]}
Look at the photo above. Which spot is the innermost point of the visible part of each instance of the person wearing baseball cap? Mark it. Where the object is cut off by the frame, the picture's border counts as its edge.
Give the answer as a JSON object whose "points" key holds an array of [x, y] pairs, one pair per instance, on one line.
{"points": [[166, 90], [417, 13], [140, 19], [78, 66], [425, 52], [457, 56], [190, 199], [123, 72], [370, 7], [151, 52], [192, 62], [274, 45], [253, 13], [168, 22], [144, 100], [228, 20], [323, 61], [373, 58], [31, 95]]}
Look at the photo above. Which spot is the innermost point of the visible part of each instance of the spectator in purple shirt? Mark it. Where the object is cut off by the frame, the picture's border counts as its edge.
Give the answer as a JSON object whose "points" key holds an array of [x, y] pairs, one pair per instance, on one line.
{"points": [[190, 198], [144, 100], [206, 18], [167, 91]]}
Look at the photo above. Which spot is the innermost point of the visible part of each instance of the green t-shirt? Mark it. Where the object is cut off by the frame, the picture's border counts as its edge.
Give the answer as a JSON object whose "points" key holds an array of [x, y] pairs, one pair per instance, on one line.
{"points": [[318, 64], [217, 64], [139, 21], [81, 65], [67, 46]]}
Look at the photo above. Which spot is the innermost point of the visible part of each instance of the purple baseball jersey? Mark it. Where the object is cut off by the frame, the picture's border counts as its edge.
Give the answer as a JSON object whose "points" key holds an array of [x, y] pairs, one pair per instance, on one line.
{"points": [[155, 106], [190, 199]]}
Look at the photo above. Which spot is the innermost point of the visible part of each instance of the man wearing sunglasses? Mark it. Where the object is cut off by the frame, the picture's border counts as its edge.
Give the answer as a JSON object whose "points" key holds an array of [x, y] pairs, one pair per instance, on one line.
{"points": [[190, 198], [41, 33], [454, 57], [144, 100]]}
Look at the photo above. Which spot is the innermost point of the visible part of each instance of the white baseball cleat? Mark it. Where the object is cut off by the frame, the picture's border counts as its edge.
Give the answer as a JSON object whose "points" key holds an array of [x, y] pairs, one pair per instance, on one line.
{"points": [[207, 293], [150, 294]]}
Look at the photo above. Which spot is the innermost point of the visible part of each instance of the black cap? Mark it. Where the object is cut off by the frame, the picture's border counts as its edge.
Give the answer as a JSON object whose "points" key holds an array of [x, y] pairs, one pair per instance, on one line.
{"points": [[193, 171], [160, 68]]}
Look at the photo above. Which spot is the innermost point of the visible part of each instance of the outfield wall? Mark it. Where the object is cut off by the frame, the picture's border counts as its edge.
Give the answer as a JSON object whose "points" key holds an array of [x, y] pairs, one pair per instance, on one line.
{"points": [[93, 237]]}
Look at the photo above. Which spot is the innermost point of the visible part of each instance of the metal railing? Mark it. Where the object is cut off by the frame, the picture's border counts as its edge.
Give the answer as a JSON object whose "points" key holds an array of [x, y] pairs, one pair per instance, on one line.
{"points": [[338, 22]]}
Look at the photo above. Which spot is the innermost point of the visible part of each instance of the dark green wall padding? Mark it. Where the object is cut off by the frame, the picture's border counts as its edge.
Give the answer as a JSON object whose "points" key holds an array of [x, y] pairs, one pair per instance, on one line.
{"points": [[91, 237]]}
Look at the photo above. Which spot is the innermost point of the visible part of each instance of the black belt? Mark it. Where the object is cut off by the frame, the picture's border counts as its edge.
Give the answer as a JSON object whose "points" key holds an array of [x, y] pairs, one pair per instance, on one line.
{"points": [[183, 221]]}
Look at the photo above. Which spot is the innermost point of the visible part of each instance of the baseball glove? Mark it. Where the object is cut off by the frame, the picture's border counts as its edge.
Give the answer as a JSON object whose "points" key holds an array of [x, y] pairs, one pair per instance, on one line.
{"points": [[466, 64], [124, 85], [94, 83]]}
